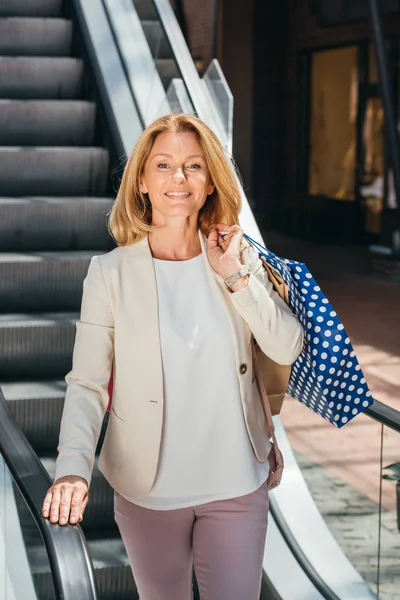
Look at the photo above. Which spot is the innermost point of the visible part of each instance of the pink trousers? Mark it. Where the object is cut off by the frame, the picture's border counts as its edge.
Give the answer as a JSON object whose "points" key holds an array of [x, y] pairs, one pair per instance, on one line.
{"points": [[224, 541]]}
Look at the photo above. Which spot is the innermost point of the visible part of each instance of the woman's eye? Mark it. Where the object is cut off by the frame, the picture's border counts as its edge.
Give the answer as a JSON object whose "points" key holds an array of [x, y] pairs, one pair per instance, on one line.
{"points": [[162, 166], [194, 166]]}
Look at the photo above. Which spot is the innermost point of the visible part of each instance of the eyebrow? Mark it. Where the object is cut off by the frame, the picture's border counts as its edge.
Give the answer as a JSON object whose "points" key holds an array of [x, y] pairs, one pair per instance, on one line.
{"points": [[170, 155]]}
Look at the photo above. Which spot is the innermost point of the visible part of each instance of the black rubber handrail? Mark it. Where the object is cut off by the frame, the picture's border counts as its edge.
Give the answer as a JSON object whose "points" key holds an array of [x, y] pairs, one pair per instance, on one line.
{"points": [[69, 557], [384, 414]]}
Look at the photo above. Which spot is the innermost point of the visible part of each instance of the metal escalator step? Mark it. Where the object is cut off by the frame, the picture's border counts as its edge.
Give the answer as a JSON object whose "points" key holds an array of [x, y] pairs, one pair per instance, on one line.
{"points": [[37, 407], [57, 170], [112, 570], [40, 223], [36, 346], [146, 10], [167, 70], [43, 280], [111, 567], [47, 122], [30, 8], [156, 39], [37, 77], [100, 510], [35, 37]]}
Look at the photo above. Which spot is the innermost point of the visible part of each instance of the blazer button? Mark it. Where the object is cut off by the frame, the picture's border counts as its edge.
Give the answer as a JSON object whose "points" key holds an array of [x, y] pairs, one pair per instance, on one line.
{"points": [[243, 369]]}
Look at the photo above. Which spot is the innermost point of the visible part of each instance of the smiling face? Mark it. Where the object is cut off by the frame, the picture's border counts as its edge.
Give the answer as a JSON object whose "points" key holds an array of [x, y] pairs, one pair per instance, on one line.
{"points": [[176, 177]]}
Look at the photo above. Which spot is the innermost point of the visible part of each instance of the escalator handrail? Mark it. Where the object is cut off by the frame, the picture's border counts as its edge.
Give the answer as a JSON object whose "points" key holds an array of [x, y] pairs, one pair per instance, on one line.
{"points": [[384, 414], [68, 554]]}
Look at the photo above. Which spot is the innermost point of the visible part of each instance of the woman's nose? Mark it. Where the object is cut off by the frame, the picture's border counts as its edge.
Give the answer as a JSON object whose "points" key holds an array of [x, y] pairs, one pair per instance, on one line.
{"points": [[178, 174]]}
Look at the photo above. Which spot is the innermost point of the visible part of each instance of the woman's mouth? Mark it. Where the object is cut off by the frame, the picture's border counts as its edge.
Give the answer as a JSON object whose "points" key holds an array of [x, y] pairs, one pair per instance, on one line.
{"points": [[177, 194]]}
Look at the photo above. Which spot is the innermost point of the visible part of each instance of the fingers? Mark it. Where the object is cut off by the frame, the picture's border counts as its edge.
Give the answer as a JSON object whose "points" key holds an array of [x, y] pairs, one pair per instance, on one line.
{"points": [[47, 503], [65, 505], [229, 237], [55, 505], [84, 505], [236, 240], [212, 239], [66, 501], [76, 507]]}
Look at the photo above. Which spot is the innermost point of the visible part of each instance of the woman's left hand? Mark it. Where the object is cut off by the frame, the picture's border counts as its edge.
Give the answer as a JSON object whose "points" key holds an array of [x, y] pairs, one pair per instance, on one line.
{"points": [[224, 251]]}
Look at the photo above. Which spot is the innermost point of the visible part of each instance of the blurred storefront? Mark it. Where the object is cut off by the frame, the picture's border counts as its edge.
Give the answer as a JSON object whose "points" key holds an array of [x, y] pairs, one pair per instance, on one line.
{"points": [[309, 126]]}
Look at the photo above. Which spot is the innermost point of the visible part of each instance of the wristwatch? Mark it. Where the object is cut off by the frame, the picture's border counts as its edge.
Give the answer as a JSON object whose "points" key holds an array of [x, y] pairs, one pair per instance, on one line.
{"points": [[236, 276]]}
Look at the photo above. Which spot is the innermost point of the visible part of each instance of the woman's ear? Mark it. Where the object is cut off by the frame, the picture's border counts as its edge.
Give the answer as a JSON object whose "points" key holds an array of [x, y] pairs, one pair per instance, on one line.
{"points": [[142, 186], [211, 188]]}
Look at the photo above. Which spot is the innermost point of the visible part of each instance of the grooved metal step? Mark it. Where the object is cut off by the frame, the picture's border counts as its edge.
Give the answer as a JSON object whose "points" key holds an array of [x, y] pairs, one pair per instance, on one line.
{"points": [[53, 171], [43, 280], [37, 407], [47, 122], [146, 10], [156, 39], [112, 571], [40, 223], [36, 345], [30, 8], [167, 70], [35, 37], [41, 78]]}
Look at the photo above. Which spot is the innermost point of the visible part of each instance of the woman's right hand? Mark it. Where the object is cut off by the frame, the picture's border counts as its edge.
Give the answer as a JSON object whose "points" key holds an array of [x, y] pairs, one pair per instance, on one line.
{"points": [[66, 500]]}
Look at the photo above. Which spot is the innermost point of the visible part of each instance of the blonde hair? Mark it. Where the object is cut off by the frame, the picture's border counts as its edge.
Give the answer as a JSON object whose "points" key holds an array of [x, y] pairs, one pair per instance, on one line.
{"points": [[130, 216]]}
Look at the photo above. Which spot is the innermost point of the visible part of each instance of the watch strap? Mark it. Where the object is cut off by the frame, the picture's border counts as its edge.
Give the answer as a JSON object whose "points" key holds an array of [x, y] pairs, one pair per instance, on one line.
{"points": [[236, 276]]}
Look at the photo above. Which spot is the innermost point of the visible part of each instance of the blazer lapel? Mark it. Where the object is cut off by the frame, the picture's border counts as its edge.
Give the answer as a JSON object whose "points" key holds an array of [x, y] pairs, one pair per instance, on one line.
{"points": [[139, 292]]}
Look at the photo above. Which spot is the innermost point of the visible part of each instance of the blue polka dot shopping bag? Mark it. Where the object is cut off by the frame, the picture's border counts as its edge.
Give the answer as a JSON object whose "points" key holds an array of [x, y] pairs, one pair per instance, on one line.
{"points": [[326, 377]]}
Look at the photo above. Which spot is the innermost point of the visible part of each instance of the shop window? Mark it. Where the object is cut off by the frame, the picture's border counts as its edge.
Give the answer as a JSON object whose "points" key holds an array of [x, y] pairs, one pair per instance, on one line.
{"points": [[334, 100]]}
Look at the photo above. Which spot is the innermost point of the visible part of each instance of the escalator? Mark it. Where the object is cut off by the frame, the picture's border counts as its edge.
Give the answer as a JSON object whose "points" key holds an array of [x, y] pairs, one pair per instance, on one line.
{"points": [[80, 81], [55, 184]]}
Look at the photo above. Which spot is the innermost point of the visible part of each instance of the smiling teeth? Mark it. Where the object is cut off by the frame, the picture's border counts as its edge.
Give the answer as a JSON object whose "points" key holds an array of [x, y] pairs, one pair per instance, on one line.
{"points": [[178, 194]]}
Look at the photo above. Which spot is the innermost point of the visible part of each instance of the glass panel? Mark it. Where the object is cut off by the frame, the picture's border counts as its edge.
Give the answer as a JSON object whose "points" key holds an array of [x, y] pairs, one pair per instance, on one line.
{"points": [[334, 91], [222, 96], [24, 565], [388, 567], [372, 187], [372, 70], [342, 467]]}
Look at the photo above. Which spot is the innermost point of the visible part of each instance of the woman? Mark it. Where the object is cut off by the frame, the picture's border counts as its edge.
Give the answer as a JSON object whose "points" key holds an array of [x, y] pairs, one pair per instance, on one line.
{"points": [[173, 310]]}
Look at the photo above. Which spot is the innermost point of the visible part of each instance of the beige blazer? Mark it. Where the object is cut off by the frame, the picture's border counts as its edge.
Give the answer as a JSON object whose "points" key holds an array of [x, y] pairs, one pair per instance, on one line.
{"points": [[118, 328]]}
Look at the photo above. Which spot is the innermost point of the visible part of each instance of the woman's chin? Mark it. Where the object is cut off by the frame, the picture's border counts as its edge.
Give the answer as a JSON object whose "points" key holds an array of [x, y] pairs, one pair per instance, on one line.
{"points": [[180, 212]]}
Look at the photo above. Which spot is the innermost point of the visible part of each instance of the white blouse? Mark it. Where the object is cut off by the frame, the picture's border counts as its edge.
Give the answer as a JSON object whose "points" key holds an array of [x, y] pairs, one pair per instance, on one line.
{"points": [[205, 452]]}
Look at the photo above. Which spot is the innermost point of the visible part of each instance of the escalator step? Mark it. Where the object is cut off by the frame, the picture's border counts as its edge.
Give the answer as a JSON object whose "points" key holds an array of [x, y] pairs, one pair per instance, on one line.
{"points": [[43, 281], [47, 122], [37, 77], [167, 70], [58, 170], [35, 37], [40, 223], [146, 10], [156, 39], [37, 407], [30, 8], [112, 571], [36, 346]]}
